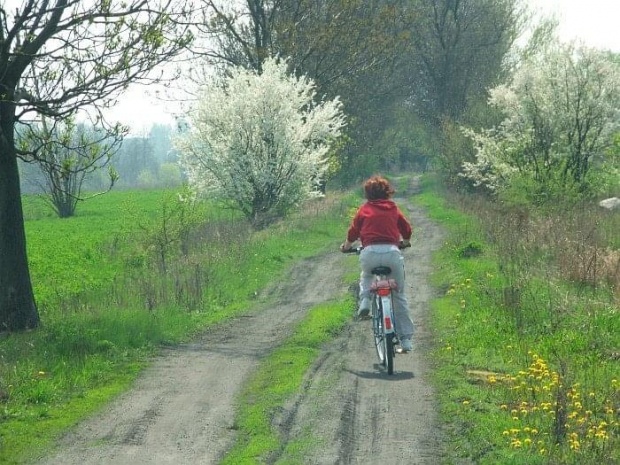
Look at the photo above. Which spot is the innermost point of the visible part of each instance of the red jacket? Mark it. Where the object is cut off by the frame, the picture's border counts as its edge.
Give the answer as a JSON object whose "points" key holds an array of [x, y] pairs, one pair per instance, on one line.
{"points": [[379, 222]]}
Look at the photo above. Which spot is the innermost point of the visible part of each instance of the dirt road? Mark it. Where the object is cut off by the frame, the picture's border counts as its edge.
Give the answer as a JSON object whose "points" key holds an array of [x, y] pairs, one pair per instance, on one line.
{"points": [[182, 408]]}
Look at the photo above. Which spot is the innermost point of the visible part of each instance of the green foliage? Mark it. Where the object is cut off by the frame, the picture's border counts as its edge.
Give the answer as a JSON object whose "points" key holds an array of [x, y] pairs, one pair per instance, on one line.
{"points": [[409, 143], [455, 149]]}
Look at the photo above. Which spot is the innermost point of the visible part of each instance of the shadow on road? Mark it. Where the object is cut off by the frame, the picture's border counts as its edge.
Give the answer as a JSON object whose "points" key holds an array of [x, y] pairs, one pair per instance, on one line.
{"points": [[380, 374]]}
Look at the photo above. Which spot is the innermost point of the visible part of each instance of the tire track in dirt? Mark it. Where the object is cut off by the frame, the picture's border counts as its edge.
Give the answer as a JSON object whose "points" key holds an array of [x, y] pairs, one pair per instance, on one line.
{"points": [[353, 412], [181, 409]]}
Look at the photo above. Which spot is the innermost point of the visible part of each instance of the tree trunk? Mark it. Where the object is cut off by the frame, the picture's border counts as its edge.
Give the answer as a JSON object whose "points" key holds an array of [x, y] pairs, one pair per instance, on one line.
{"points": [[17, 306]]}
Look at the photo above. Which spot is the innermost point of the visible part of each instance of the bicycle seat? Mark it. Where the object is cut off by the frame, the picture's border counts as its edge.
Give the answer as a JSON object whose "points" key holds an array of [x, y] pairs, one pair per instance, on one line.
{"points": [[381, 271]]}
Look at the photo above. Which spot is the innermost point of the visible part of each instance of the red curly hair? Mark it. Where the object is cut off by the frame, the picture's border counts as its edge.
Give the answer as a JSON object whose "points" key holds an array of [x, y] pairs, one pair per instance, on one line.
{"points": [[378, 188]]}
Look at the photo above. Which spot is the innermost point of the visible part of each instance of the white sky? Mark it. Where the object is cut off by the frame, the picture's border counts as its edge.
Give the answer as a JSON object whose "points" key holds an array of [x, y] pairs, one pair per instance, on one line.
{"points": [[595, 22]]}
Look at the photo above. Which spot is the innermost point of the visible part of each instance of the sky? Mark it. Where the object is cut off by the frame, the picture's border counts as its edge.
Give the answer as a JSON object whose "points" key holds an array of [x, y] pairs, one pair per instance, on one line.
{"points": [[595, 22]]}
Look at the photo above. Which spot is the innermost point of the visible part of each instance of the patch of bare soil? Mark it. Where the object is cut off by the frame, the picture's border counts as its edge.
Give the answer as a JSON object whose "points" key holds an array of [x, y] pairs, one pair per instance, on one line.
{"points": [[351, 411], [181, 409]]}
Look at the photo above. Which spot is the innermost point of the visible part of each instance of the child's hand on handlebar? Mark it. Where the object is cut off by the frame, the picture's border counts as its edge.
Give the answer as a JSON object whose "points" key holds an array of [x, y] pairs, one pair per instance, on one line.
{"points": [[346, 245]]}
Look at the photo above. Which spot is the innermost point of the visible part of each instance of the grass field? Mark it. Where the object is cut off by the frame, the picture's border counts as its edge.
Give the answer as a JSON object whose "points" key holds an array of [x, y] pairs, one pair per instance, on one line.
{"points": [[132, 271], [526, 366]]}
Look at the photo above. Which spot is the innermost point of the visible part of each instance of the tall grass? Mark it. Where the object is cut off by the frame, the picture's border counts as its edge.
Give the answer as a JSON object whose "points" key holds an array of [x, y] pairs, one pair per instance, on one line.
{"points": [[95, 337], [528, 331]]}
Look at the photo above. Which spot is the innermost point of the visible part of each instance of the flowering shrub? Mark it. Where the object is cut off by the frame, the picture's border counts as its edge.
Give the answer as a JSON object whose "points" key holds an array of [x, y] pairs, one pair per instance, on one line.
{"points": [[560, 113], [260, 141]]}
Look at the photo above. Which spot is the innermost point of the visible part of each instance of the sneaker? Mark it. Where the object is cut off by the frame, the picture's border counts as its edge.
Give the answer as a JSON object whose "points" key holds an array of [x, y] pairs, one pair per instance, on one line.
{"points": [[405, 345], [364, 309]]}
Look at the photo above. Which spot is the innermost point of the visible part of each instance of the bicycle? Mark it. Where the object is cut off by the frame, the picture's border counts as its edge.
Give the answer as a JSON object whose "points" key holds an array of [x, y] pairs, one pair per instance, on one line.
{"points": [[382, 313]]}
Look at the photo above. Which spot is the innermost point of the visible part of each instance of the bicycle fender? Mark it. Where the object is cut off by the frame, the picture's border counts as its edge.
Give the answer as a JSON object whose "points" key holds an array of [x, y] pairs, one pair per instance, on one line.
{"points": [[388, 316]]}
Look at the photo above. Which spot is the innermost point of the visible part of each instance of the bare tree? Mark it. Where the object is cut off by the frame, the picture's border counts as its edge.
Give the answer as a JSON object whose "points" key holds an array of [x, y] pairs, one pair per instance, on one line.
{"points": [[83, 54], [66, 153]]}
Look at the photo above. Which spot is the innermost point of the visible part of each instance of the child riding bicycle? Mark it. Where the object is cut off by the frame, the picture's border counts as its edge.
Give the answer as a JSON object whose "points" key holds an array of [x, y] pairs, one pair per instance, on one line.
{"points": [[379, 225]]}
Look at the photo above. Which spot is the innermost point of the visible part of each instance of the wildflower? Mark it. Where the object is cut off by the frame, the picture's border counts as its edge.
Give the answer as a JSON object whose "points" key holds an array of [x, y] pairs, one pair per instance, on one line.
{"points": [[534, 431], [465, 402], [527, 441], [542, 451], [505, 433], [41, 373], [503, 407]]}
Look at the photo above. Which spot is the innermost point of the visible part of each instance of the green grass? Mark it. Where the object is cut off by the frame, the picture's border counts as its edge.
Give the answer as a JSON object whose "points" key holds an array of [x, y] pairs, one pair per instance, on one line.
{"points": [[96, 335], [70, 256], [279, 377], [502, 369]]}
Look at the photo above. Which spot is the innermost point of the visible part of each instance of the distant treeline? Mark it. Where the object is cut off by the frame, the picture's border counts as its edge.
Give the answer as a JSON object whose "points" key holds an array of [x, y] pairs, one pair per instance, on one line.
{"points": [[142, 161]]}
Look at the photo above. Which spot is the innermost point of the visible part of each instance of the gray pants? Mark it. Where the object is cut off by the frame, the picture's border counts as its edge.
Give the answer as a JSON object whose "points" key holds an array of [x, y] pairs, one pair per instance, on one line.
{"points": [[388, 255]]}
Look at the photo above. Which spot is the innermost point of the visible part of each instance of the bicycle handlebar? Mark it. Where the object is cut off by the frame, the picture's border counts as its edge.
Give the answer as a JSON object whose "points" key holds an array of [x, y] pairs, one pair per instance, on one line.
{"points": [[356, 250]]}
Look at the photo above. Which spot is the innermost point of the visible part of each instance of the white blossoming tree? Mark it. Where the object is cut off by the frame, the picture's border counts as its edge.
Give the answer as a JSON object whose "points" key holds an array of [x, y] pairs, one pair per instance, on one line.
{"points": [[560, 113], [260, 141]]}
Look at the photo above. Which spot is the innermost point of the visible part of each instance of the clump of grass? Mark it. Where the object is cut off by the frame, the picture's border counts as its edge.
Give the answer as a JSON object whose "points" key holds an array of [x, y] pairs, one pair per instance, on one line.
{"points": [[280, 377]]}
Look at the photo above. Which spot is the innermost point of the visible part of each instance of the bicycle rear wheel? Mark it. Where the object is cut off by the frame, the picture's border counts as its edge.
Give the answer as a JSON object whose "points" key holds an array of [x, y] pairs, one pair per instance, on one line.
{"points": [[377, 329], [384, 343], [389, 353]]}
